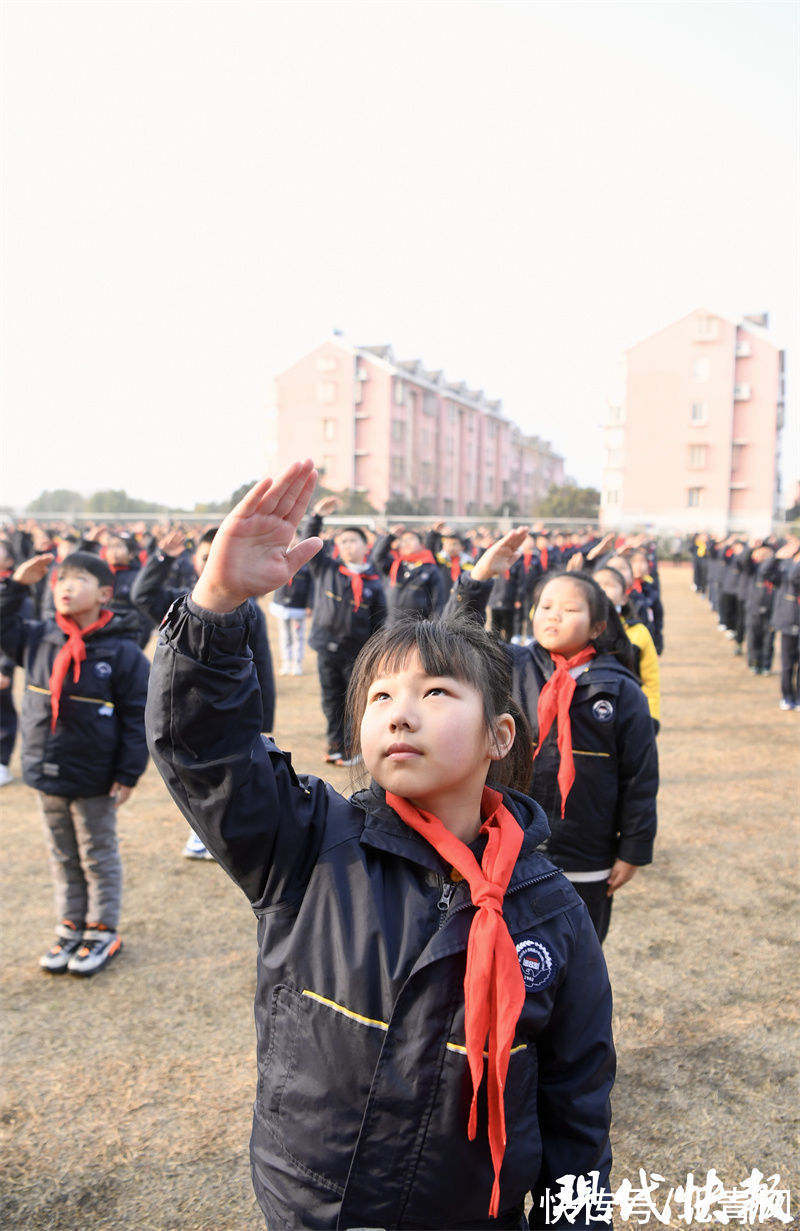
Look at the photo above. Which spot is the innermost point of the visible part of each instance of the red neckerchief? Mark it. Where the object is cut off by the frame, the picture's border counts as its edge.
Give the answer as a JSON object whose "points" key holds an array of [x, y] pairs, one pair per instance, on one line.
{"points": [[409, 557], [543, 558], [636, 585], [526, 560], [494, 990], [554, 702], [455, 568], [73, 651], [357, 582], [5, 572]]}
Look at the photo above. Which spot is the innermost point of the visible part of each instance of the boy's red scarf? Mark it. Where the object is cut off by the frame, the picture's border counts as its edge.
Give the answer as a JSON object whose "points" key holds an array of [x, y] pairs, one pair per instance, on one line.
{"points": [[410, 557], [494, 990], [554, 702], [357, 582], [72, 652]]}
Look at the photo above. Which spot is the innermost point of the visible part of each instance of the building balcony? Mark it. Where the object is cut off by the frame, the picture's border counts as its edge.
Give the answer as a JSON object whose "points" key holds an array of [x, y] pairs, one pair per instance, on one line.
{"points": [[742, 393]]}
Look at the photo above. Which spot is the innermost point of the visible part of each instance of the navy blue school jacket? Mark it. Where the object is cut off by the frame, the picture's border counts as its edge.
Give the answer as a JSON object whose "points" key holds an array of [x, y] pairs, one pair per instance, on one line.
{"points": [[336, 625], [611, 810], [99, 737], [363, 1092]]}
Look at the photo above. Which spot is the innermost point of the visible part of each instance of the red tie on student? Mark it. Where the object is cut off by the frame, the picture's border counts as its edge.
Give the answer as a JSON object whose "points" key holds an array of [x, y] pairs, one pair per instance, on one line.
{"points": [[554, 702], [357, 582], [409, 557], [72, 652], [494, 990], [543, 559]]}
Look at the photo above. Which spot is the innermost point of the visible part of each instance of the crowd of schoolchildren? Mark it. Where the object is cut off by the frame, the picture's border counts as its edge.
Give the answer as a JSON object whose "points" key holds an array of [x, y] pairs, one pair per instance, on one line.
{"points": [[753, 586], [78, 609], [513, 771]]}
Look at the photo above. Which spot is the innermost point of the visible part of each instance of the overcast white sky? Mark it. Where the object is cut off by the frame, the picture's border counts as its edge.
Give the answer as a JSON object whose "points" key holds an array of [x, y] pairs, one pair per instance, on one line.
{"points": [[196, 194]]}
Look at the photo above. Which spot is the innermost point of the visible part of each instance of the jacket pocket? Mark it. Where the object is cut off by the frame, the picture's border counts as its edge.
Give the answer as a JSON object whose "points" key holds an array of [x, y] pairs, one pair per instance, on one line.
{"points": [[316, 1079]]}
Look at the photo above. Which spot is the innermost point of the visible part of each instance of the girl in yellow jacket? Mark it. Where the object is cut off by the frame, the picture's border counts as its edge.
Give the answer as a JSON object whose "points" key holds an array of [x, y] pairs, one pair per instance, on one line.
{"points": [[614, 585]]}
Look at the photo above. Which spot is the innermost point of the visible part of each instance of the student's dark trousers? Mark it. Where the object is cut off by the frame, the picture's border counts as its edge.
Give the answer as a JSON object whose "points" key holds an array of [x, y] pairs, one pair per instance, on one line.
{"points": [[334, 670], [790, 666]]}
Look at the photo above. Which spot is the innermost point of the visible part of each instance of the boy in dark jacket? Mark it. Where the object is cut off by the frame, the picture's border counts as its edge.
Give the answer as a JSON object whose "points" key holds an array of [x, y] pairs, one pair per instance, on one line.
{"points": [[83, 743], [349, 606], [414, 581]]}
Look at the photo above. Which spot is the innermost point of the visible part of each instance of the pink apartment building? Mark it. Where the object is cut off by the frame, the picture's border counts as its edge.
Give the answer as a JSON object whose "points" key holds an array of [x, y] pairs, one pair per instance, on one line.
{"points": [[695, 444], [398, 432]]}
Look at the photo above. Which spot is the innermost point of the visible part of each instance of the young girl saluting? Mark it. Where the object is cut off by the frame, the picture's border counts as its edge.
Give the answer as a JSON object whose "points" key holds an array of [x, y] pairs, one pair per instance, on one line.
{"points": [[432, 1007], [595, 768]]}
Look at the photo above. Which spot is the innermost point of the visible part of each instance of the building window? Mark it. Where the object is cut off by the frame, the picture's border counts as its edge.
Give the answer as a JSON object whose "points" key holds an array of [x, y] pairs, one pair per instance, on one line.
{"points": [[697, 456], [326, 392], [700, 369], [693, 497], [614, 458], [399, 393], [328, 429], [326, 364], [398, 467], [698, 412], [706, 328], [611, 497], [615, 414], [398, 431]]}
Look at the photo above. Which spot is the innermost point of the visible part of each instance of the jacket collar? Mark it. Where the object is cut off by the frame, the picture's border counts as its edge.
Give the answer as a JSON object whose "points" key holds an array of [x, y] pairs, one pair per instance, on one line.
{"points": [[384, 830]]}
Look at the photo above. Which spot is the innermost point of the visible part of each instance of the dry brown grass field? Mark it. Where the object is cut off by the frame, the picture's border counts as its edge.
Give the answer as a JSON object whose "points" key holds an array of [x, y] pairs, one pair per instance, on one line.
{"points": [[126, 1098]]}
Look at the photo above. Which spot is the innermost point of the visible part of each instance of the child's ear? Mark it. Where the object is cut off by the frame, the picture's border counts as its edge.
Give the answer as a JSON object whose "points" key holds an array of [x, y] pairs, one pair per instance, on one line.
{"points": [[504, 731], [105, 594], [597, 630]]}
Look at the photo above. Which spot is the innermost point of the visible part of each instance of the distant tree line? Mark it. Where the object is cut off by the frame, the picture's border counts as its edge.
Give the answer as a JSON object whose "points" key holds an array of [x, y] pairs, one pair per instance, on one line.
{"points": [[568, 500]]}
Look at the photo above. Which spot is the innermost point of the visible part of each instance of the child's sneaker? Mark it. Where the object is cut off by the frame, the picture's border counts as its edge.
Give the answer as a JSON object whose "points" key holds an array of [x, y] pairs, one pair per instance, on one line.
{"points": [[68, 942], [6, 775], [99, 945], [194, 849]]}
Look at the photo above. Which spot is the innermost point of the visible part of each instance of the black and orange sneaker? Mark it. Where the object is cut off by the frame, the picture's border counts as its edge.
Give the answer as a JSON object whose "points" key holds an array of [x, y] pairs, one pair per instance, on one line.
{"points": [[99, 945], [67, 943]]}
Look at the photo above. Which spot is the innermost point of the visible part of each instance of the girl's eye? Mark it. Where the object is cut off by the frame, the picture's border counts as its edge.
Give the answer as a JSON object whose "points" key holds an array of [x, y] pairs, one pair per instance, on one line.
{"points": [[379, 696], [436, 691]]}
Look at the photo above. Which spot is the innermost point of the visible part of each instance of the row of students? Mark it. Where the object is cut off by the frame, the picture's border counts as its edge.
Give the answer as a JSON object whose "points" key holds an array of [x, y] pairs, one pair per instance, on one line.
{"points": [[754, 588], [350, 607]]}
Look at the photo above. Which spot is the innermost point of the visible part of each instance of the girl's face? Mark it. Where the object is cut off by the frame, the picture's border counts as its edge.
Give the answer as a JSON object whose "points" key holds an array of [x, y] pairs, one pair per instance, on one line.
{"points": [[425, 738], [562, 621], [611, 587]]}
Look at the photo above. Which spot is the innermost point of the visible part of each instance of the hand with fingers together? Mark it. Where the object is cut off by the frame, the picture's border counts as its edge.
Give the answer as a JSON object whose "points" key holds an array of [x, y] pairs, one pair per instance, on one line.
{"points": [[251, 554]]}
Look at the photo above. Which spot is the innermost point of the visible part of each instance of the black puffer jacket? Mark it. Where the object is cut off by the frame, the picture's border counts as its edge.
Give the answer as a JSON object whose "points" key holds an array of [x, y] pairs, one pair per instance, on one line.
{"points": [[99, 737], [363, 1085]]}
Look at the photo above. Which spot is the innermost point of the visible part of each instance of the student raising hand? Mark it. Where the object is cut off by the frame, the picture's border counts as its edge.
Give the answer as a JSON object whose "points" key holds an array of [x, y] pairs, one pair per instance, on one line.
{"points": [[500, 556], [251, 553]]}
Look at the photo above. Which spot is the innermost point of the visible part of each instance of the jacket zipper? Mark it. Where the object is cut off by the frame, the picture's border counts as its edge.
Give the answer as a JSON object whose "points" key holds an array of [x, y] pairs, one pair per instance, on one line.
{"points": [[448, 888], [446, 892]]}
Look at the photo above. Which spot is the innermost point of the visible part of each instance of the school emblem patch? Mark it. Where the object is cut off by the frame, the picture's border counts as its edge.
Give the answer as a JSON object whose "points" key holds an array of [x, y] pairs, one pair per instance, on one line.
{"points": [[536, 963], [102, 670], [603, 710]]}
